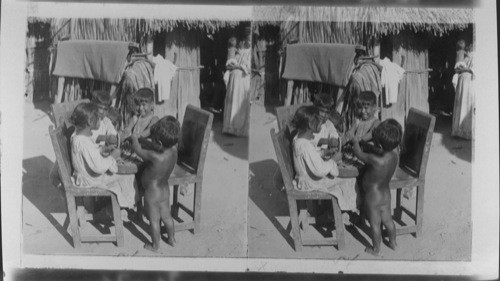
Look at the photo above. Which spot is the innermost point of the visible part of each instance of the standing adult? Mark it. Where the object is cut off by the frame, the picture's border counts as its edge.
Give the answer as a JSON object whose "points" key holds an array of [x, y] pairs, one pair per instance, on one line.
{"points": [[463, 109], [237, 101]]}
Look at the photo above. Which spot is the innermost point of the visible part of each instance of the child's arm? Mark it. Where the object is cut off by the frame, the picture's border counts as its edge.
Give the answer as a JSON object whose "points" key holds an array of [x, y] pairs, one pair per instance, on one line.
{"points": [[368, 136], [96, 162], [349, 134], [108, 139], [146, 155], [358, 152], [317, 165], [127, 131], [331, 142], [147, 132]]}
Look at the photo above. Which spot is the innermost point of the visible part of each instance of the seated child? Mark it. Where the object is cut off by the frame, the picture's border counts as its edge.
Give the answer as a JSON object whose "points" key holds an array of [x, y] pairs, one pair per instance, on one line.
{"points": [[144, 118], [106, 134], [380, 168], [91, 169], [328, 135], [231, 56], [366, 120], [159, 165], [314, 173]]}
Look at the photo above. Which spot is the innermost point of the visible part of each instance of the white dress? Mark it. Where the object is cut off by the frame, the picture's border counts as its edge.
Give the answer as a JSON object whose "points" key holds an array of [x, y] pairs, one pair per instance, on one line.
{"points": [[464, 106], [106, 128], [237, 102], [327, 131], [91, 169], [314, 173]]}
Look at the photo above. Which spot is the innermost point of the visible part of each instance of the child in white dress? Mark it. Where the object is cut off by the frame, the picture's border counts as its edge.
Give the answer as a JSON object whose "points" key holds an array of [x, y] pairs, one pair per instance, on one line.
{"points": [[313, 172], [91, 169]]}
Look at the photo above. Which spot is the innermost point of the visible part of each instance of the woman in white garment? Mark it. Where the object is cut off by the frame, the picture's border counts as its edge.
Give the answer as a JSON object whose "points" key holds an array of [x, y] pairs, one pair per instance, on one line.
{"points": [[464, 106], [237, 101]]}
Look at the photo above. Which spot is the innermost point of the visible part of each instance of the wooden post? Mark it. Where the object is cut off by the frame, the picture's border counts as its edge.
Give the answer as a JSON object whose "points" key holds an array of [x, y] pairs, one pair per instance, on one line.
{"points": [[60, 90], [376, 47], [112, 94], [289, 92]]}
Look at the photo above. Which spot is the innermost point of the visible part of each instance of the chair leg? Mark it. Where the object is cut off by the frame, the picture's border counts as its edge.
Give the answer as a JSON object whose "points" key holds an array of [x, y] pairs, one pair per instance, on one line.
{"points": [[304, 219], [294, 219], [117, 218], [175, 202], [197, 207], [398, 212], [420, 210], [73, 221], [339, 224], [80, 211]]}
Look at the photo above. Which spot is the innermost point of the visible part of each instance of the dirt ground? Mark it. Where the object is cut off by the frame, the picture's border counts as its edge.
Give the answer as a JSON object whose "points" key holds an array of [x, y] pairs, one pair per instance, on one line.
{"points": [[223, 218], [447, 204]]}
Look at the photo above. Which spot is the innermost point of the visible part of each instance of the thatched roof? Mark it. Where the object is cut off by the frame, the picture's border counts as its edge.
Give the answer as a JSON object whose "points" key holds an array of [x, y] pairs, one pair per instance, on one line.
{"points": [[372, 19], [123, 29]]}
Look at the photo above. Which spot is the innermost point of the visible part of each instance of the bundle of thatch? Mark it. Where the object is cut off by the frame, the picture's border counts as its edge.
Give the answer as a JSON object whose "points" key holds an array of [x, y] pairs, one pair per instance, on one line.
{"points": [[330, 24], [183, 40], [124, 29]]}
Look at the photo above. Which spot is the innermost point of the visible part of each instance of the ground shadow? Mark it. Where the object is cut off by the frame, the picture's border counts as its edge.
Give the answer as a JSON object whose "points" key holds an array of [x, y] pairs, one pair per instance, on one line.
{"points": [[49, 200], [264, 191], [271, 105], [45, 107], [458, 147], [266, 195], [235, 146], [42, 194]]}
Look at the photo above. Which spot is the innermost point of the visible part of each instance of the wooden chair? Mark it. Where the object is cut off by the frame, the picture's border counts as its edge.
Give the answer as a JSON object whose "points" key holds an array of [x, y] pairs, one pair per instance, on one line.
{"points": [[62, 111], [284, 114], [195, 135], [417, 139], [76, 210], [282, 147]]}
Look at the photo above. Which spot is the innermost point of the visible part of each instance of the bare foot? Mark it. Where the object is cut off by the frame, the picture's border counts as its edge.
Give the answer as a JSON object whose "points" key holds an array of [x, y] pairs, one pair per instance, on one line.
{"points": [[171, 241], [346, 219], [393, 245], [372, 251], [151, 248], [124, 215]]}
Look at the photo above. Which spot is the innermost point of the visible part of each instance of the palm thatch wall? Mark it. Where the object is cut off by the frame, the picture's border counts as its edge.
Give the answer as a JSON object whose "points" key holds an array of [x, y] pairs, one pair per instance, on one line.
{"points": [[181, 38], [410, 30], [132, 30], [364, 19]]}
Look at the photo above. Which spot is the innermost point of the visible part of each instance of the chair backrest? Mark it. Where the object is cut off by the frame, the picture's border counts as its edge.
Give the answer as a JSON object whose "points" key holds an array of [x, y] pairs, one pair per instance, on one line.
{"points": [[195, 135], [284, 114], [417, 139], [284, 155], [60, 137], [62, 111]]}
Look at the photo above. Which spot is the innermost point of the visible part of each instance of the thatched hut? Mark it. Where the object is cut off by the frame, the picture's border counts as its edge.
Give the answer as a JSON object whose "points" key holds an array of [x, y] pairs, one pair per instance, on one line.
{"points": [[406, 35], [177, 40]]}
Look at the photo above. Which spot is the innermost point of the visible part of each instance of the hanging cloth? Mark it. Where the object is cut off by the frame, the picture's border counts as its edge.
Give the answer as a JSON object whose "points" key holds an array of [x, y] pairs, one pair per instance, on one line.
{"points": [[390, 77], [91, 59], [163, 73]]}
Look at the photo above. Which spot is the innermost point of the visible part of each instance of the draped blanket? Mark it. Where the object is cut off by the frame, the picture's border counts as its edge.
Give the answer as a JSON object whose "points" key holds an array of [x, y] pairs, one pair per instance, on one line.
{"points": [[91, 59], [326, 63]]}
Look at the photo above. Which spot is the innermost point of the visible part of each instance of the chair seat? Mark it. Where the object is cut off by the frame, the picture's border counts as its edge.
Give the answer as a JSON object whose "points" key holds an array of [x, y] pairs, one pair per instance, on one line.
{"points": [[309, 195], [403, 179], [181, 175], [91, 191]]}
